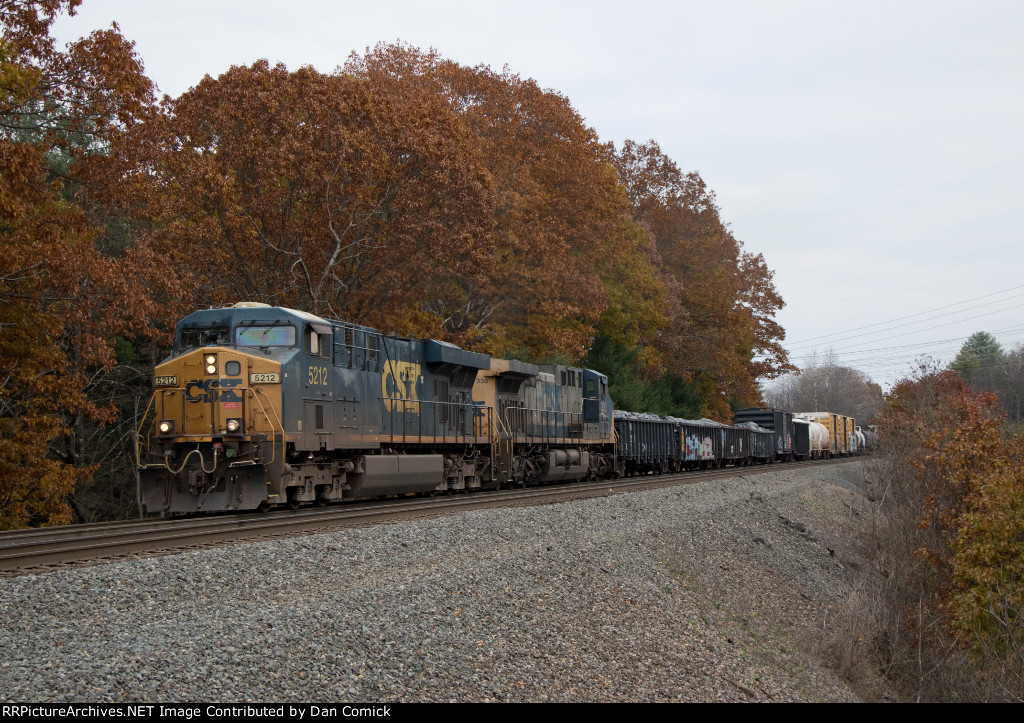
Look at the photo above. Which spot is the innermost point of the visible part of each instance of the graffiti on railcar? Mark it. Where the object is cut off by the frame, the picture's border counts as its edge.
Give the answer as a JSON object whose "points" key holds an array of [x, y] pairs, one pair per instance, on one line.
{"points": [[699, 448]]}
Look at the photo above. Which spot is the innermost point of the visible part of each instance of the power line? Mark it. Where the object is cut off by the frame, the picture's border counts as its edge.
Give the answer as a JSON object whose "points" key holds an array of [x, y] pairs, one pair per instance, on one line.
{"points": [[886, 365], [805, 342], [900, 271], [928, 328], [857, 349]]}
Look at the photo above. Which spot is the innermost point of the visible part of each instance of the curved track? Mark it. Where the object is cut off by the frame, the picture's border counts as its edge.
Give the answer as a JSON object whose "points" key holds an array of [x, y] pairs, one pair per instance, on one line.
{"points": [[32, 549]]}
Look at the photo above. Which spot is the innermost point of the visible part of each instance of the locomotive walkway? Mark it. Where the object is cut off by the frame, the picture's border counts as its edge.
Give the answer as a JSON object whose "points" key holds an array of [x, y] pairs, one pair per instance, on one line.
{"points": [[31, 550]]}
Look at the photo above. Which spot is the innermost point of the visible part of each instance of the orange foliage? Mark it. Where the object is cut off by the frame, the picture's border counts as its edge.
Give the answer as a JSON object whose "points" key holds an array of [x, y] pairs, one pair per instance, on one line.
{"points": [[721, 300], [971, 521], [320, 192], [559, 240], [405, 191], [60, 299]]}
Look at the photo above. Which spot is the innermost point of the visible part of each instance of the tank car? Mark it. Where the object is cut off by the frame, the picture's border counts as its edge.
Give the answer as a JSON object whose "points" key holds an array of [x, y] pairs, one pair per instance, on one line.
{"points": [[870, 434], [817, 436], [259, 406], [843, 439]]}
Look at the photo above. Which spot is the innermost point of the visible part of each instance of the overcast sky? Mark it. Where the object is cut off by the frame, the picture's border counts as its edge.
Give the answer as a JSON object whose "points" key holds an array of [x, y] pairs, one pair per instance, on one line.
{"points": [[872, 151]]}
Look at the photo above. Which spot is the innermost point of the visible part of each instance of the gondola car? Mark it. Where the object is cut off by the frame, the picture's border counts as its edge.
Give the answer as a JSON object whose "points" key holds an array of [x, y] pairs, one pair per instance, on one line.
{"points": [[776, 420]]}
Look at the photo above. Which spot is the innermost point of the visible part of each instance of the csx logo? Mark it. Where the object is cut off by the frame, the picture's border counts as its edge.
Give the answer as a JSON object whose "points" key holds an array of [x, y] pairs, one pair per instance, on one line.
{"points": [[206, 390], [398, 382]]}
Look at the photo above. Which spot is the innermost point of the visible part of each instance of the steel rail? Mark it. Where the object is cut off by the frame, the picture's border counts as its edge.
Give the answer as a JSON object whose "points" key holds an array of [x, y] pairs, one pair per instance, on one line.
{"points": [[20, 549]]}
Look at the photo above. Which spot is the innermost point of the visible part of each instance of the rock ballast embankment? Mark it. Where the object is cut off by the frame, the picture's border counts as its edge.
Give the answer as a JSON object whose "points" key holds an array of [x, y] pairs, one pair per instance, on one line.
{"points": [[703, 592]]}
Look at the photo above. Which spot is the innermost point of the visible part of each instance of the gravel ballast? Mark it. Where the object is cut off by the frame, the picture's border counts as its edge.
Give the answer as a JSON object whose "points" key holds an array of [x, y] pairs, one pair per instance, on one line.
{"points": [[702, 592]]}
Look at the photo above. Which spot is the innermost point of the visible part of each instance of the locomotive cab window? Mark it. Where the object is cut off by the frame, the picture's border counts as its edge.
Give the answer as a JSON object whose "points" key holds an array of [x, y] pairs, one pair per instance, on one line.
{"points": [[265, 336], [318, 344], [210, 336]]}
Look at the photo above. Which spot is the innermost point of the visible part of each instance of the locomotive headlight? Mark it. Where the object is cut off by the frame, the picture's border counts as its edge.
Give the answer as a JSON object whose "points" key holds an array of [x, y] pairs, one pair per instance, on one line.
{"points": [[211, 368], [211, 363], [211, 358], [166, 426], [234, 425]]}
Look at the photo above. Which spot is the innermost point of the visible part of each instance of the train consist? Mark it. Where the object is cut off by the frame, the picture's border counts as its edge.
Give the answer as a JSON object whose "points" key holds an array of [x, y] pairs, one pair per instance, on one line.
{"points": [[260, 406]]}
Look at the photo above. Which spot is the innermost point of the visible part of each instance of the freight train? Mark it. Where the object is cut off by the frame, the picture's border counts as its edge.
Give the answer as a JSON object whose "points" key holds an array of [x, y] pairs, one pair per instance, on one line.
{"points": [[261, 406]]}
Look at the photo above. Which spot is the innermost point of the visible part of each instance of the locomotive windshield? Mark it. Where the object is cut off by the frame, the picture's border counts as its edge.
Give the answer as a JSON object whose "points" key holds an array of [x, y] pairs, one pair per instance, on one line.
{"points": [[265, 336], [210, 336]]}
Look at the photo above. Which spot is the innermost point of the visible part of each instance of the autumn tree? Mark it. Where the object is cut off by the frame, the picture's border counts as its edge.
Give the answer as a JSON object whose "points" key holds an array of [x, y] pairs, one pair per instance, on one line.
{"points": [[946, 570], [320, 192], [404, 191], [566, 257], [721, 335], [61, 300]]}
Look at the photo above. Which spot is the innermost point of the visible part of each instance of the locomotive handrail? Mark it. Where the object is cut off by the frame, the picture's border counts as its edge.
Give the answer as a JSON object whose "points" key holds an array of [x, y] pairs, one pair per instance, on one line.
{"points": [[486, 424], [503, 427], [138, 431], [457, 434], [273, 448], [202, 462], [549, 422]]}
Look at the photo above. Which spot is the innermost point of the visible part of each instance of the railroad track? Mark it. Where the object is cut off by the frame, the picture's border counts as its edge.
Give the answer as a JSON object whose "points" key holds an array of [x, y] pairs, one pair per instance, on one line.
{"points": [[32, 549]]}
